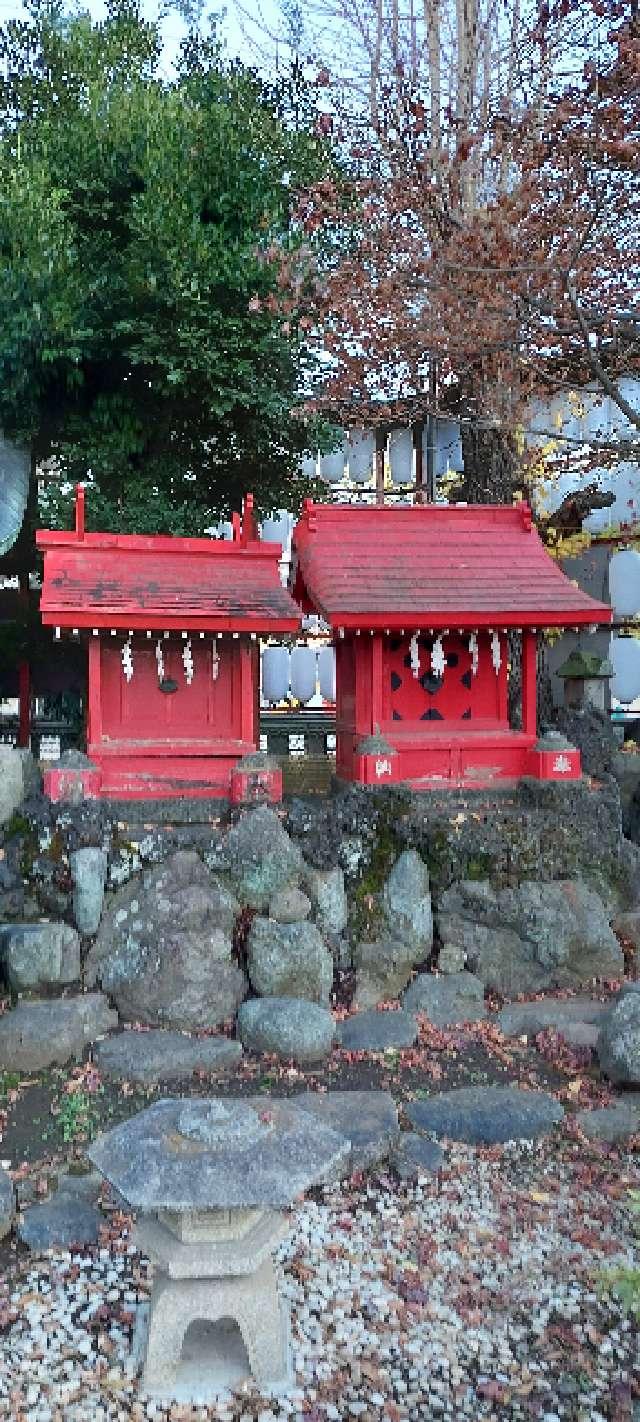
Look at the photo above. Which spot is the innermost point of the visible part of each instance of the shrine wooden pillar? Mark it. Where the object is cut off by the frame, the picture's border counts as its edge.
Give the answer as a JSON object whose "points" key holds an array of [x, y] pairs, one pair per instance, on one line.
{"points": [[530, 682], [377, 690]]}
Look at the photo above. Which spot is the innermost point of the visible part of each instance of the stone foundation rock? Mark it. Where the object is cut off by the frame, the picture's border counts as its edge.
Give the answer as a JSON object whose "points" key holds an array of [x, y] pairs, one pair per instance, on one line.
{"points": [[289, 1028], [37, 956], [258, 856], [289, 960], [164, 950], [535, 936], [445, 1001]]}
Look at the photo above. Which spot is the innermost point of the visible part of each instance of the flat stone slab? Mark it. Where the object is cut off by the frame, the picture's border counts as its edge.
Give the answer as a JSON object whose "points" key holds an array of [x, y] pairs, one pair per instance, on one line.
{"points": [[414, 1156], [486, 1115], [525, 1019], [580, 1034], [35, 1035], [378, 1031], [367, 1119], [611, 1123], [162, 1055], [59, 1223], [447, 1000]]}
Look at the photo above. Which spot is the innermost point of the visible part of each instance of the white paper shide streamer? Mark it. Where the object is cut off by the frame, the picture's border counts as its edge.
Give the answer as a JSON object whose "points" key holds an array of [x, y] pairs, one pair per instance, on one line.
{"points": [[473, 648], [437, 658], [159, 661], [496, 654], [215, 662], [127, 660], [414, 653], [187, 661]]}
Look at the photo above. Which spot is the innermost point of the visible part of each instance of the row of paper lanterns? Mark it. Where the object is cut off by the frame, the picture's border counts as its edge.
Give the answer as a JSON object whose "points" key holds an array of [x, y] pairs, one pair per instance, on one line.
{"points": [[356, 455], [298, 673]]}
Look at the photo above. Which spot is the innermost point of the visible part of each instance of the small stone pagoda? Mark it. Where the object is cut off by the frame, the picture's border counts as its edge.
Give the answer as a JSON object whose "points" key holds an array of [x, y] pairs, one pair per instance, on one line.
{"points": [[209, 1179], [171, 627], [428, 605]]}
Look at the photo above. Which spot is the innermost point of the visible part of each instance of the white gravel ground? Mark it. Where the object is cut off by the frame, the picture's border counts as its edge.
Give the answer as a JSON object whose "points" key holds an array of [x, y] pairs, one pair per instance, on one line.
{"points": [[472, 1296]]}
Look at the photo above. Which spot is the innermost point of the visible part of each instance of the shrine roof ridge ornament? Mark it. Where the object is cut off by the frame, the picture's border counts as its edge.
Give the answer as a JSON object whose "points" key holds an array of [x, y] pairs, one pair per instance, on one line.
{"points": [[432, 566]]}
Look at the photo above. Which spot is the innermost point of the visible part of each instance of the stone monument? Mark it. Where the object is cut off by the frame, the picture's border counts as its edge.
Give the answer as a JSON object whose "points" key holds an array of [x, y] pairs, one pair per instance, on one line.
{"points": [[209, 1179]]}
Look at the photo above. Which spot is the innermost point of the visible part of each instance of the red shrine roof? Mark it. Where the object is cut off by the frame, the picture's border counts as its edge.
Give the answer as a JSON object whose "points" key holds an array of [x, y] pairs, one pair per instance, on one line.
{"points": [[433, 566], [131, 581]]}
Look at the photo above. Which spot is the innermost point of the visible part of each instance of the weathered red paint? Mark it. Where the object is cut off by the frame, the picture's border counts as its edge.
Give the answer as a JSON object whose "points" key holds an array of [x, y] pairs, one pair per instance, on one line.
{"points": [[433, 566], [162, 736], [381, 576]]}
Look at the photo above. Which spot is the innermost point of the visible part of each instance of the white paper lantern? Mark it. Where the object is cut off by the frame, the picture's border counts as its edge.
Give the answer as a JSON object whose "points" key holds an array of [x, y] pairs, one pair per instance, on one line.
{"points": [[401, 456], [624, 582], [275, 674], [327, 673], [309, 466], [332, 465], [303, 673], [448, 448], [362, 448], [625, 656]]}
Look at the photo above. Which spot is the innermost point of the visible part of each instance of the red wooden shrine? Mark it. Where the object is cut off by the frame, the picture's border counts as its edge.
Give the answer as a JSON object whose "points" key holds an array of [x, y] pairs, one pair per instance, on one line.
{"points": [[172, 627], [420, 601]]}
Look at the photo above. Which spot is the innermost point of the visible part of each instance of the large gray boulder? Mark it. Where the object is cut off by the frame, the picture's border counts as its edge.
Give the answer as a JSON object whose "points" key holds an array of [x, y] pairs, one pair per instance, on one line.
{"points": [[327, 892], [287, 1027], [486, 1115], [88, 875], [258, 856], [19, 778], [383, 969], [619, 1040], [536, 936], [406, 904], [456, 997], [289, 960], [36, 956], [164, 949], [160, 1055], [36, 1035]]}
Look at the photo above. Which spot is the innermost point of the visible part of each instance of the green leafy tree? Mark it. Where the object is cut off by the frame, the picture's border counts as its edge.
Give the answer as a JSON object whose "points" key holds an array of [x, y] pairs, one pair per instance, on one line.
{"points": [[144, 343]]}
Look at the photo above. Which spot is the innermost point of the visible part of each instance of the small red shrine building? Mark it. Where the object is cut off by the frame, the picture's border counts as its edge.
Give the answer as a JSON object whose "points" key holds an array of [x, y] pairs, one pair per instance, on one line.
{"points": [[172, 627], [420, 601]]}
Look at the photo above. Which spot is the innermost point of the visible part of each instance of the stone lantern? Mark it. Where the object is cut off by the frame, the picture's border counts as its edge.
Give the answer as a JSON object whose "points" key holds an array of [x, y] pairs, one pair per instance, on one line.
{"points": [[209, 1179], [585, 676]]}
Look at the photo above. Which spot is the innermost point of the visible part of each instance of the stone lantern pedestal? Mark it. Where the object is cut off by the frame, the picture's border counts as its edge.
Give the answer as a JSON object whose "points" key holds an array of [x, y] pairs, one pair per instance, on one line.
{"points": [[211, 1267], [209, 1179]]}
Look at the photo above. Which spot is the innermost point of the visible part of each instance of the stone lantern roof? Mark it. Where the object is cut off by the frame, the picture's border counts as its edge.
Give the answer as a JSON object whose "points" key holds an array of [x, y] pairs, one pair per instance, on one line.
{"points": [[217, 1154], [584, 666]]}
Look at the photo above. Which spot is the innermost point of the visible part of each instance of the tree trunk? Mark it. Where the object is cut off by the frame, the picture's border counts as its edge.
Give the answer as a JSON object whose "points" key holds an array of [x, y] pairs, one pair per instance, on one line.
{"points": [[490, 467]]}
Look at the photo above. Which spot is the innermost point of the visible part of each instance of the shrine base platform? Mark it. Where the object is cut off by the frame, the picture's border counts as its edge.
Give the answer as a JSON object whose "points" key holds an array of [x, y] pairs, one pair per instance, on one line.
{"points": [[475, 759]]}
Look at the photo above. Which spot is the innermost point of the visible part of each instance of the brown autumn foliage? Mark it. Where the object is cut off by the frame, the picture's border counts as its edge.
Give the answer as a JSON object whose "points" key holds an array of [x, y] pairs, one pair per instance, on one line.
{"points": [[506, 262]]}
